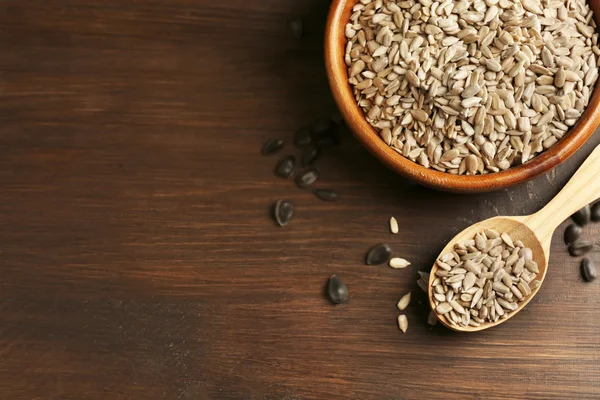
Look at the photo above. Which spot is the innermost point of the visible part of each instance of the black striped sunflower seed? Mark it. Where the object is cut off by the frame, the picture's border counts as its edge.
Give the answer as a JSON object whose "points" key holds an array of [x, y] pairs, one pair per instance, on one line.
{"points": [[379, 254], [337, 290], [309, 156], [572, 233], [588, 270], [326, 194], [596, 212], [282, 212], [580, 248], [307, 178], [303, 137], [271, 146], [285, 167], [582, 217]]}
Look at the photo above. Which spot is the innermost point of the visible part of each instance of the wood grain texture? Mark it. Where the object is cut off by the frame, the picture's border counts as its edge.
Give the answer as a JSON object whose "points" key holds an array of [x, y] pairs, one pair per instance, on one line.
{"points": [[138, 259]]}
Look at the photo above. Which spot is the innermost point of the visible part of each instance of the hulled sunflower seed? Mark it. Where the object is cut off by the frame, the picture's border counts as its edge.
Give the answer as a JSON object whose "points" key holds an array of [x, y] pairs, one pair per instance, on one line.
{"points": [[393, 225], [397, 263], [403, 323], [432, 77], [404, 302]]}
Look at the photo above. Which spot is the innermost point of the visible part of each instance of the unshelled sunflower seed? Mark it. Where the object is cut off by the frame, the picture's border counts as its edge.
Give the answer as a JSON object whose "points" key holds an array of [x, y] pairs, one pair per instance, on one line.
{"points": [[379, 254], [572, 233], [303, 136], [393, 225], [595, 212], [271, 146], [309, 156], [403, 323], [337, 290], [285, 167], [580, 248], [588, 270], [282, 212], [297, 28], [398, 262], [582, 217], [326, 194], [404, 302], [307, 178]]}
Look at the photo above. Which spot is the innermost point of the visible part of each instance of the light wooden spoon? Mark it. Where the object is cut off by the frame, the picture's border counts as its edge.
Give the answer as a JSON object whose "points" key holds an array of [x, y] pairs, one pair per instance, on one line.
{"points": [[535, 231]]}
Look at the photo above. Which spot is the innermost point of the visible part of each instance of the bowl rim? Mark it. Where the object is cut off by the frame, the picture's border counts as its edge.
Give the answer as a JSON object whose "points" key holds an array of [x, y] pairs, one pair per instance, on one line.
{"points": [[335, 43]]}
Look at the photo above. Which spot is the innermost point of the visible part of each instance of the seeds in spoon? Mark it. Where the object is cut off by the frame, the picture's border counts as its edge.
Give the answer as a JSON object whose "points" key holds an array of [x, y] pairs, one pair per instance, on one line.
{"points": [[596, 212], [282, 212], [307, 178], [271, 146], [588, 270], [403, 323], [337, 290], [404, 302], [394, 225], [580, 248], [486, 281], [572, 233], [285, 167], [398, 262], [379, 254], [326, 194], [582, 217]]}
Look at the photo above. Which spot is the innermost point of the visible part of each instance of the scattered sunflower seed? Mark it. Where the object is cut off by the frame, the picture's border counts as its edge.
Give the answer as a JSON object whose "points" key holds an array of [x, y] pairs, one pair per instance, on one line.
{"points": [[572, 233], [271, 146], [580, 248], [309, 156], [337, 290], [432, 319], [398, 262], [393, 225], [588, 270], [297, 28], [582, 217], [285, 167], [326, 194], [303, 137], [282, 212], [379, 254], [596, 212], [404, 302], [307, 178], [403, 323]]}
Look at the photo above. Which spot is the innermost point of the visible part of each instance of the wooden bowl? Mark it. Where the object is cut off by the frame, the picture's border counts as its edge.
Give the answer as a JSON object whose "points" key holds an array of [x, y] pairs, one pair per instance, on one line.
{"points": [[337, 73]]}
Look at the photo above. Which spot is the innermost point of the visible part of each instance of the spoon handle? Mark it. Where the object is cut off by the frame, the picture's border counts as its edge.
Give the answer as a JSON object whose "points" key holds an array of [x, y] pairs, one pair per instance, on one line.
{"points": [[582, 189]]}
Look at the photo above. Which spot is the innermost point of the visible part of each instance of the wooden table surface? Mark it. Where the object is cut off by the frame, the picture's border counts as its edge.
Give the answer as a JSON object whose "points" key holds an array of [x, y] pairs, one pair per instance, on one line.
{"points": [[138, 260]]}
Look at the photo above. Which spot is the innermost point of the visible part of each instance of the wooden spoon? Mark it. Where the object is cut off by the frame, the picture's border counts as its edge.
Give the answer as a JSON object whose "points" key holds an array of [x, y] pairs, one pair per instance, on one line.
{"points": [[535, 231]]}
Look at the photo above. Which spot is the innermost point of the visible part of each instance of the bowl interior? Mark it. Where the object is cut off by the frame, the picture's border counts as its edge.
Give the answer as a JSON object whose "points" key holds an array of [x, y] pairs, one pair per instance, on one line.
{"points": [[335, 43]]}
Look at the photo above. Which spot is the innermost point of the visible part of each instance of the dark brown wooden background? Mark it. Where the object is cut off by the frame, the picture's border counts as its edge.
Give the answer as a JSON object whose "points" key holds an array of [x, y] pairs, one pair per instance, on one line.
{"points": [[137, 259]]}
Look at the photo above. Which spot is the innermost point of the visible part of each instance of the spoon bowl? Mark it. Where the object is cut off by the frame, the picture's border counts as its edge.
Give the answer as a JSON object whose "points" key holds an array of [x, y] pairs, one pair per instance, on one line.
{"points": [[535, 231]]}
